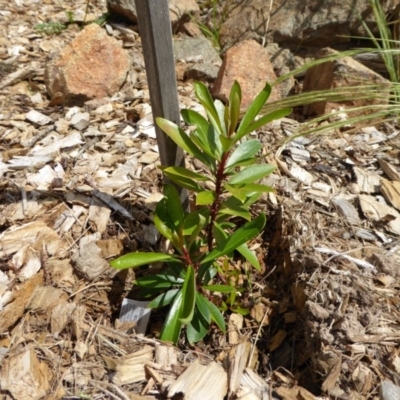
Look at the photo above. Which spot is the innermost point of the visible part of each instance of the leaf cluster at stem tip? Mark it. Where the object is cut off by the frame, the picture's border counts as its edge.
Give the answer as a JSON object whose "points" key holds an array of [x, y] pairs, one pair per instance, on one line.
{"points": [[200, 279]]}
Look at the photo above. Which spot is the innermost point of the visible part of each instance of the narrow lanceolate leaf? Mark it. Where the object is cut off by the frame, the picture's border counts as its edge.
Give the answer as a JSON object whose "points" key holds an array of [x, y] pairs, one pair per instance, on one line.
{"points": [[197, 328], [181, 138], [194, 223], [219, 106], [159, 281], [244, 151], [249, 255], [243, 191], [163, 299], [267, 118], [204, 96], [205, 197], [236, 212], [219, 233], [172, 325], [188, 296], [133, 260], [235, 98], [248, 231], [253, 111], [187, 183], [186, 173], [216, 315], [194, 118], [252, 174], [174, 206], [201, 305], [219, 288]]}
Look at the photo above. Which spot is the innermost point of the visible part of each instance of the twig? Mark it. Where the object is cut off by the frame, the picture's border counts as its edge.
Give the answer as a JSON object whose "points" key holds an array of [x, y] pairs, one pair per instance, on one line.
{"points": [[257, 336]]}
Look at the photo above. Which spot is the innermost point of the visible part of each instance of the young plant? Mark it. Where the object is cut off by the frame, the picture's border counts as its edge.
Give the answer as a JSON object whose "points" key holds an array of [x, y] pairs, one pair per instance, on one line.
{"points": [[198, 281]]}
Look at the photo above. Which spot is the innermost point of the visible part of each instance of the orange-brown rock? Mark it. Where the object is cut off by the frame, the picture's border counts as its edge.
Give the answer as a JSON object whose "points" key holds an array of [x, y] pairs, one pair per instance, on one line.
{"points": [[92, 66], [249, 64]]}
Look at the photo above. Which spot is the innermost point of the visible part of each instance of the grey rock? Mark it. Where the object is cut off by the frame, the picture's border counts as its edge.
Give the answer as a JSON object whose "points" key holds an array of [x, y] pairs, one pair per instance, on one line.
{"points": [[310, 22], [179, 10], [202, 72], [196, 50], [389, 391]]}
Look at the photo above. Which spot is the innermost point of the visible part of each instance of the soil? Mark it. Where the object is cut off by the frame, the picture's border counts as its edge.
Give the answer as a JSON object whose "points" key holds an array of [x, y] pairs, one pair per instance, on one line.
{"points": [[324, 311]]}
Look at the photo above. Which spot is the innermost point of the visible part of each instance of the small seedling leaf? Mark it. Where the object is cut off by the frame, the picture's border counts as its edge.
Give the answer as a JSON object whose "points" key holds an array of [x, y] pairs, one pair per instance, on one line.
{"points": [[220, 288]]}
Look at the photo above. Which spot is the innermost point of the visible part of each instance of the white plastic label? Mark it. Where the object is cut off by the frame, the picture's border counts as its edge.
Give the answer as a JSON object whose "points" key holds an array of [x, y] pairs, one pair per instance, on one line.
{"points": [[132, 310]]}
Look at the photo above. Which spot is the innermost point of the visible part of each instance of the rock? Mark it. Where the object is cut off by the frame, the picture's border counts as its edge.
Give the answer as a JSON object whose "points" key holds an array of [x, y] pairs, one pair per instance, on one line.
{"points": [[201, 58], [179, 10], [248, 63], [389, 391], [92, 66], [312, 22], [344, 72], [195, 50], [202, 72]]}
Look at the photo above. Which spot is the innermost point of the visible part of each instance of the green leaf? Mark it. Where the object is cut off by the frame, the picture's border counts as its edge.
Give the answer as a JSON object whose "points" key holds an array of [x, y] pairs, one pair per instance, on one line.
{"points": [[188, 296], [186, 173], [216, 315], [204, 97], [235, 98], [239, 194], [251, 174], [253, 111], [240, 310], [184, 182], [243, 191], [244, 151], [172, 325], [248, 231], [219, 233], [219, 106], [174, 206], [133, 260], [219, 288], [205, 197], [202, 306], [181, 139], [253, 188], [193, 225], [194, 118], [236, 212], [267, 118], [160, 281], [249, 255], [164, 223], [197, 328], [163, 299]]}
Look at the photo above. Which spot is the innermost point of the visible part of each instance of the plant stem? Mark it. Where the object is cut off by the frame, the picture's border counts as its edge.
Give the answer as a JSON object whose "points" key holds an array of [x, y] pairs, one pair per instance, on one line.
{"points": [[216, 203]]}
